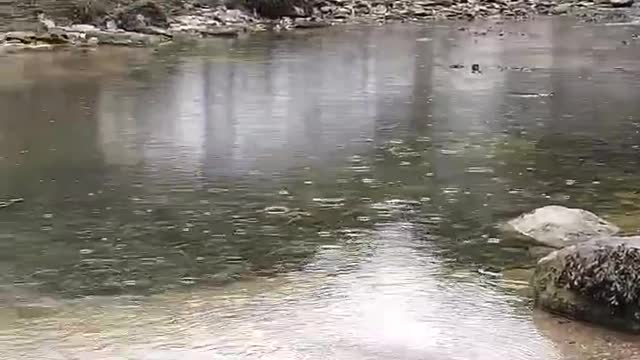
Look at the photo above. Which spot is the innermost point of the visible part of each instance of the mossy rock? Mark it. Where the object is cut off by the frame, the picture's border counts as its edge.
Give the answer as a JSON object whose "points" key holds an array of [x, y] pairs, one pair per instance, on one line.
{"points": [[595, 281]]}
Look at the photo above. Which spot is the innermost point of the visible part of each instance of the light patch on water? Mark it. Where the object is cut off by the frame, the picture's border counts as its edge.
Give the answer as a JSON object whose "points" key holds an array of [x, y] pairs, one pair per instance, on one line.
{"points": [[390, 301], [329, 202], [276, 210], [479, 170]]}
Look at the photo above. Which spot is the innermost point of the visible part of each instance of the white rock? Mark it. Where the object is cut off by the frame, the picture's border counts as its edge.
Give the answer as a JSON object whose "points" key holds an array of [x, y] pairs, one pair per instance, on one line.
{"points": [[558, 226], [83, 28]]}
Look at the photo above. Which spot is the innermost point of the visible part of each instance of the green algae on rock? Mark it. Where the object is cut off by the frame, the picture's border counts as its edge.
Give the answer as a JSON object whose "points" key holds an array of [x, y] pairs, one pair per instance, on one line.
{"points": [[595, 281]]}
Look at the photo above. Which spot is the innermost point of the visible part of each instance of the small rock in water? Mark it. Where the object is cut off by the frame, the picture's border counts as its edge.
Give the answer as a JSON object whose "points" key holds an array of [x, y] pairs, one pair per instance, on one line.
{"points": [[475, 69], [456, 66], [93, 41]]}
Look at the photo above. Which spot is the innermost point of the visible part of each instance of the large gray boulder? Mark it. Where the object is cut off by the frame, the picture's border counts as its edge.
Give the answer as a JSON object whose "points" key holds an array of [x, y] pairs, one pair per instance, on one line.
{"points": [[557, 226], [596, 281]]}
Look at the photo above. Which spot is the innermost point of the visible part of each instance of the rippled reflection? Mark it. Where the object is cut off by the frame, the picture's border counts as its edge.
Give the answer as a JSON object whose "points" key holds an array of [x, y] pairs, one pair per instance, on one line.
{"points": [[380, 296], [316, 195]]}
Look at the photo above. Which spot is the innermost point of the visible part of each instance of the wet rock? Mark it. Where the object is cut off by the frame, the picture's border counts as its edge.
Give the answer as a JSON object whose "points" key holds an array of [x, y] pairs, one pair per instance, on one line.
{"points": [[25, 37], [309, 24], [125, 38], [595, 281], [54, 36], [621, 3], [141, 15], [280, 8], [222, 32], [475, 69], [557, 226]]}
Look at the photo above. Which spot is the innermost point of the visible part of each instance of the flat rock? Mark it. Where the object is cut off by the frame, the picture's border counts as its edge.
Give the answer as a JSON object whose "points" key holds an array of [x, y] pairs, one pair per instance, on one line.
{"points": [[24, 37], [81, 28], [222, 32], [557, 226], [308, 24], [125, 38]]}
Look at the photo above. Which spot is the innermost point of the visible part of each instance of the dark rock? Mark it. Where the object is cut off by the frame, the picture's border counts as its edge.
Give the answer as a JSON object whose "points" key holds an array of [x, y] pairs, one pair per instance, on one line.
{"points": [[475, 69], [142, 15], [456, 66], [311, 24], [90, 11], [25, 37], [222, 32], [596, 281], [280, 8], [621, 3], [54, 37]]}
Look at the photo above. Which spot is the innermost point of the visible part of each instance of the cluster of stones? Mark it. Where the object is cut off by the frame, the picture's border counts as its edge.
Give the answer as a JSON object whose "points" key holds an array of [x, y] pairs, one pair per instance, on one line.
{"points": [[589, 273]]}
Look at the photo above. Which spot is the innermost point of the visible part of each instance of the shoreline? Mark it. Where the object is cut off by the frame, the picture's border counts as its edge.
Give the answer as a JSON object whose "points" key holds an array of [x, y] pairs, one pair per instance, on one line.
{"points": [[149, 26]]}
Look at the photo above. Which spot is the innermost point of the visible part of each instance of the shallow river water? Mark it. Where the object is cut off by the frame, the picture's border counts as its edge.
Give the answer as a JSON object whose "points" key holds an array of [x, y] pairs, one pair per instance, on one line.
{"points": [[315, 195]]}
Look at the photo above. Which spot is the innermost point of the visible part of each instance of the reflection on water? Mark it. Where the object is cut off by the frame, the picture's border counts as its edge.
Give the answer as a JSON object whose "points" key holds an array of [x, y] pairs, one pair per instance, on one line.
{"points": [[333, 309], [305, 196]]}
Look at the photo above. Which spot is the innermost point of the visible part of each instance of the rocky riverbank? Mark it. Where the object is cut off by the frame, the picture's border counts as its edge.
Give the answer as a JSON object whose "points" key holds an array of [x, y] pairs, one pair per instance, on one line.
{"points": [[590, 273], [152, 22]]}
